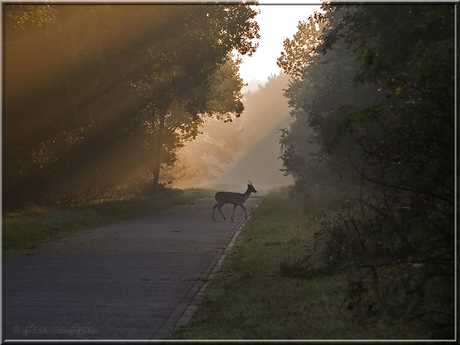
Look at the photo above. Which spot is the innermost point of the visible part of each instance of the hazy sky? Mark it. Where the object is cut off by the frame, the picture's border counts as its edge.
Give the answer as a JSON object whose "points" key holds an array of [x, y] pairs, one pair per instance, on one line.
{"points": [[276, 22]]}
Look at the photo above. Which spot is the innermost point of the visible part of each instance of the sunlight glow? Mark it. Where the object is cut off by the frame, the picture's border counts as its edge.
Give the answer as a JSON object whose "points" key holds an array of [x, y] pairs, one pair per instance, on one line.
{"points": [[277, 22]]}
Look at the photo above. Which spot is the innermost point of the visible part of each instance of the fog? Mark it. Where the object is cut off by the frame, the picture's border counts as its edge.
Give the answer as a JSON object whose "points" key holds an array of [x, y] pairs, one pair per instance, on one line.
{"points": [[83, 92], [245, 149]]}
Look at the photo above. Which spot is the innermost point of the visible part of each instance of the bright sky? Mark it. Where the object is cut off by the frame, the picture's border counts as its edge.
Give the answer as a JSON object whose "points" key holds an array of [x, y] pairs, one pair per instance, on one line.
{"points": [[276, 23]]}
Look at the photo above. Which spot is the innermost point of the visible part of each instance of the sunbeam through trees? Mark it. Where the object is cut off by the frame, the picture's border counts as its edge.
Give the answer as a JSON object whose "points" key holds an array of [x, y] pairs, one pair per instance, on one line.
{"points": [[98, 98]]}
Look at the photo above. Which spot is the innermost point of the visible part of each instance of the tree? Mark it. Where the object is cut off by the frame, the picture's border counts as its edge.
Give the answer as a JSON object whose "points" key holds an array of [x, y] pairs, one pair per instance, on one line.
{"points": [[380, 93], [223, 101], [72, 82], [299, 50], [71, 101], [173, 76], [320, 92], [410, 131]]}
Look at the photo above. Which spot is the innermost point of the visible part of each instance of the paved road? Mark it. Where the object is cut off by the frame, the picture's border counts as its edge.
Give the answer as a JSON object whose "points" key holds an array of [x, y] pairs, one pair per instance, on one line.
{"points": [[129, 280]]}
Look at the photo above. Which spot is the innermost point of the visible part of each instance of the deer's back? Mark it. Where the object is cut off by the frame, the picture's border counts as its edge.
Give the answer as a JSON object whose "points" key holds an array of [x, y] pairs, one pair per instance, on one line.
{"points": [[229, 197]]}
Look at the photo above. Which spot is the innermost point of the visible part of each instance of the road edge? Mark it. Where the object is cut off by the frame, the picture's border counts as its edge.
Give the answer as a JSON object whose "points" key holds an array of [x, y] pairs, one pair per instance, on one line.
{"points": [[185, 310]]}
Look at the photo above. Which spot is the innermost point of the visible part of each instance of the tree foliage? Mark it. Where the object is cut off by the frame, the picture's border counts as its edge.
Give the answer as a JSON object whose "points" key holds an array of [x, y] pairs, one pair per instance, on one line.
{"points": [[102, 97], [377, 99], [18, 15], [299, 50]]}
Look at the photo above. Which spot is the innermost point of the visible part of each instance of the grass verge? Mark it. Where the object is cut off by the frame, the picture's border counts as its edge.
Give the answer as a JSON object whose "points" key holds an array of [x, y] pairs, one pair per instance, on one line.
{"points": [[36, 225], [259, 293]]}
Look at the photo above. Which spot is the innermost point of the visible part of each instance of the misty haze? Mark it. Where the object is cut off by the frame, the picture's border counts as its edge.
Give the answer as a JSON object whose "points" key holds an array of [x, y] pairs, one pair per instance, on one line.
{"points": [[253, 150], [229, 171]]}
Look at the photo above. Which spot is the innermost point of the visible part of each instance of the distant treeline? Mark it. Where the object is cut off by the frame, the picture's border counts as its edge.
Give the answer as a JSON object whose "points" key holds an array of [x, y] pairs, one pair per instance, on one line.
{"points": [[99, 98], [372, 90]]}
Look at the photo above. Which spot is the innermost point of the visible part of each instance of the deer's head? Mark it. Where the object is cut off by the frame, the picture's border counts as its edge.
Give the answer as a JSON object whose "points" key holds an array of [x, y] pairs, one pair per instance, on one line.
{"points": [[251, 187]]}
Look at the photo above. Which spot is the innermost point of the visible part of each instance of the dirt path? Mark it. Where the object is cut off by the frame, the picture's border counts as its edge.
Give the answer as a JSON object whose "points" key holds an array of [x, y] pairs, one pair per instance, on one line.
{"points": [[134, 279]]}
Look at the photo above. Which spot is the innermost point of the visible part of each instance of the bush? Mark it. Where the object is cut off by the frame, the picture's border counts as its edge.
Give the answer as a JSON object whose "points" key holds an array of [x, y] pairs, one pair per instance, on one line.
{"points": [[399, 266]]}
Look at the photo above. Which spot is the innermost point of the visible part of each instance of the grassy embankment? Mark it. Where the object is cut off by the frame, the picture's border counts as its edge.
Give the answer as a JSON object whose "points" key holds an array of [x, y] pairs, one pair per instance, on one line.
{"points": [[255, 295], [36, 225]]}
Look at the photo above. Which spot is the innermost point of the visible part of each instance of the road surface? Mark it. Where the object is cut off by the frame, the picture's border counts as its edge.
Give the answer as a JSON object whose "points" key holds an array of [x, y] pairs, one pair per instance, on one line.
{"points": [[131, 280]]}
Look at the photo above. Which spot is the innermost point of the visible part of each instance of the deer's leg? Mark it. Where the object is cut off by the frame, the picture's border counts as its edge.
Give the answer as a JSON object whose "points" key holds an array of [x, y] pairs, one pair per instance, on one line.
{"points": [[234, 208], [245, 214], [213, 210], [219, 209]]}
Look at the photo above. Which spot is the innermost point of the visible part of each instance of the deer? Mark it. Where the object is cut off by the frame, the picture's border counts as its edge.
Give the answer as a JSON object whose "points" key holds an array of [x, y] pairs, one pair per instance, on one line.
{"points": [[237, 199]]}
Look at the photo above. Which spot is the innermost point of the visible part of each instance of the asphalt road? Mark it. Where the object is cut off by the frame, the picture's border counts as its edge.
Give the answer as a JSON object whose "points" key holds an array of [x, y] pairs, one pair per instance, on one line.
{"points": [[131, 280]]}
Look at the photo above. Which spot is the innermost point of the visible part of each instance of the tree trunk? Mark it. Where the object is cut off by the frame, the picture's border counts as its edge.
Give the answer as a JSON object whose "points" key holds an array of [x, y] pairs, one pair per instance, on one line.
{"points": [[158, 148]]}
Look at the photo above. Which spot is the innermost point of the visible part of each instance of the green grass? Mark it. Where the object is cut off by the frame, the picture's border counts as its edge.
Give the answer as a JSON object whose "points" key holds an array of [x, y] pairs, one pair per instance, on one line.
{"points": [[253, 296], [36, 225]]}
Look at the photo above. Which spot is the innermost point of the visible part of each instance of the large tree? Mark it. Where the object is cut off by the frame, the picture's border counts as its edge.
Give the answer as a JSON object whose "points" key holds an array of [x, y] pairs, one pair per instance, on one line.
{"points": [[72, 118], [173, 76], [321, 89], [170, 129]]}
